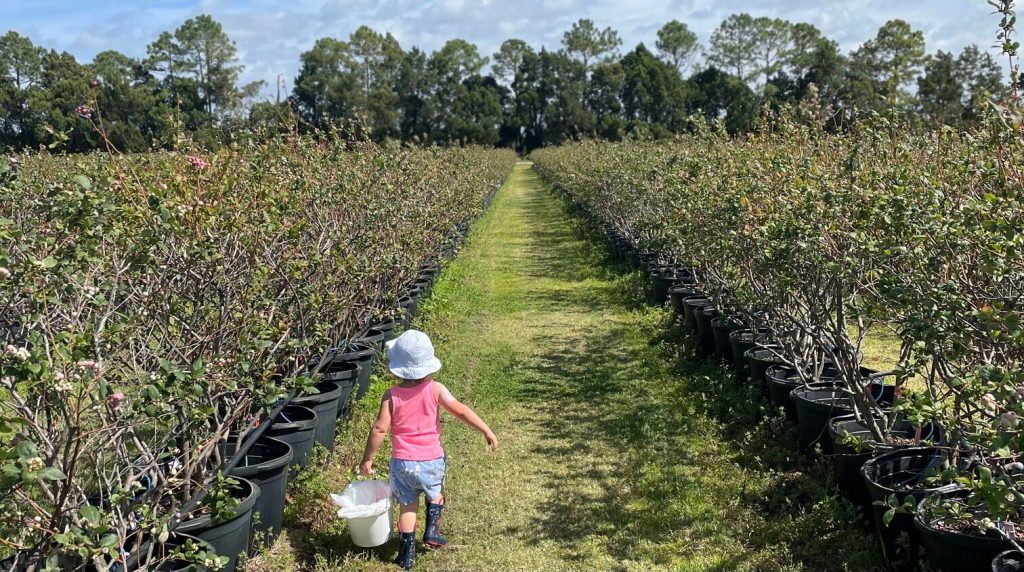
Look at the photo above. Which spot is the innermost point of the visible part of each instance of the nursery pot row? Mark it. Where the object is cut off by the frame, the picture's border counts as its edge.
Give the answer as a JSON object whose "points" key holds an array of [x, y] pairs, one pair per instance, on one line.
{"points": [[868, 472]]}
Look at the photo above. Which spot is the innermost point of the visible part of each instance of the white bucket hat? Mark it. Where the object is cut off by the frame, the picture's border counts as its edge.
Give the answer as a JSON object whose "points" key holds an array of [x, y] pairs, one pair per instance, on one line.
{"points": [[411, 356]]}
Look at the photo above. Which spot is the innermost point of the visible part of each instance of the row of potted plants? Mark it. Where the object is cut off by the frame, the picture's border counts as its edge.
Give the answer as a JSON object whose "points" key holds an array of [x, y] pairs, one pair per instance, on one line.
{"points": [[158, 307], [786, 250], [252, 498]]}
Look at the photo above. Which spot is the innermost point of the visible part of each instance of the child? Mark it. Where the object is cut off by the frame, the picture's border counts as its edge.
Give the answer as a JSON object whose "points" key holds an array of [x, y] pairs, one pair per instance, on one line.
{"points": [[410, 410]]}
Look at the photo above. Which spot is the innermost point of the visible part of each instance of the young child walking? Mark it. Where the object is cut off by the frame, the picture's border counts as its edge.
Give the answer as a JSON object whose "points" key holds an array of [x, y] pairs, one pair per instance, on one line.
{"points": [[411, 411]]}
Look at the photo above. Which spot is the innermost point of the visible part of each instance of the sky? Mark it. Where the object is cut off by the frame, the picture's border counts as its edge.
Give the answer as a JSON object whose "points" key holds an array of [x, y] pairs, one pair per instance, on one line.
{"points": [[270, 34]]}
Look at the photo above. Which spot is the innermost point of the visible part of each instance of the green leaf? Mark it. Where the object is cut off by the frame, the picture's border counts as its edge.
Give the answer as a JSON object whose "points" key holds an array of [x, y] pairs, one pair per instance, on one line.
{"points": [[26, 450], [49, 262], [52, 474], [888, 516], [83, 182], [91, 514]]}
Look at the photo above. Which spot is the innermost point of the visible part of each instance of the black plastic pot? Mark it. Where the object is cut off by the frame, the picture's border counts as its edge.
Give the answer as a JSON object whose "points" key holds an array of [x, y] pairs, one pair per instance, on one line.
{"points": [[325, 404], [782, 380], [425, 285], [677, 294], [374, 337], [1009, 561], [740, 342], [705, 334], [951, 551], [408, 306], [362, 354], [899, 472], [815, 405], [878, 390], [848, 460], [664, 278], [691, 306], [387, 329], [339, 370], [759, 359], [295, 425], [662, 282], [346, 375], [430, 271], [721, 328], [231, 537], [266, 464]]}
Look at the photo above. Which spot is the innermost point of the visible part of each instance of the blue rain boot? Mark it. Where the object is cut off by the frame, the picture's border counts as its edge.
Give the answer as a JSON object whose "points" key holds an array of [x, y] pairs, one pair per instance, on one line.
{"points": [[432, 533], [406, 550]]}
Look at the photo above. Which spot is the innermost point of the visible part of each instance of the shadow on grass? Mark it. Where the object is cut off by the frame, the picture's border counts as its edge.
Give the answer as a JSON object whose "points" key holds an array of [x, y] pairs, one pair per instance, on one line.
{"points": [[703, 470]]}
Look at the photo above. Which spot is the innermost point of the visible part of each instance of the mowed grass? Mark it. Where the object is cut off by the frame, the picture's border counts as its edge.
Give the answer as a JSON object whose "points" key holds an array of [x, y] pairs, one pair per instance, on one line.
{"points": [[619, 451]]}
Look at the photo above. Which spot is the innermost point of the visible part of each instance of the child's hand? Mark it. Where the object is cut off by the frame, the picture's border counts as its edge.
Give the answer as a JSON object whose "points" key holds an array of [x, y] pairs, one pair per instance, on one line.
{"points": [[492, 440], [366, 468]]}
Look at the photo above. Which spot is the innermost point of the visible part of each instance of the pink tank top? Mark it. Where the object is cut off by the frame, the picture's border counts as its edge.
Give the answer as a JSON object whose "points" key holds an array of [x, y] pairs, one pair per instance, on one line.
{"points": [[415, 423]]}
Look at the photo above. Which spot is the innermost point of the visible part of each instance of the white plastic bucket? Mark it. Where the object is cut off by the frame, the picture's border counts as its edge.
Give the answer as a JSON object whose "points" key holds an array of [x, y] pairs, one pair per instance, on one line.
{"points": [[366, 505], [371, 531]]}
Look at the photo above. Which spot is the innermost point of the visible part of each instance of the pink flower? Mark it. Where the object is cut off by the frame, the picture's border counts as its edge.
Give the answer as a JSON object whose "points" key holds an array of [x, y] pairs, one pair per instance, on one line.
{"points": [[115, 399], [84, 111], [988, 401], [198, 162]]}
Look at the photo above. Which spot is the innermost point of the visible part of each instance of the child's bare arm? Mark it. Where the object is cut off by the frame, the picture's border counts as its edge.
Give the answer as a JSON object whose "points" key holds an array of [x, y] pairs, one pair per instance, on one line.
{"points": [[464, 413], [377, 433]]}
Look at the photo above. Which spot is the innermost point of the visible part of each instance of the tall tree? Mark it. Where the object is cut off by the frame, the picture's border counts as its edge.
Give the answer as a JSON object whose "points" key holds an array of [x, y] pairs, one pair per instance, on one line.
{"points": [[653, 92], [720, 96], [885, 65], [982, 78], [589, 45], [448, 67], [161, 56], [773, 38], [677, 45], [413, 88], [129, 100], [818, 74], [324, 88], [477, 111], [63, 87], [375, 62], [939, 90], [732, 47], [550, 100], [508, 60], [21, 60], [806, 39], [202, 50], [603, 100], [457, 60], [21, 70]]}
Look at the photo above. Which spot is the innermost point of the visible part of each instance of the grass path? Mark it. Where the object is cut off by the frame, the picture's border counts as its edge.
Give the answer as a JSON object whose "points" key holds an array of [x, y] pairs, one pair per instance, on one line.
{"points": [[614, 454]]}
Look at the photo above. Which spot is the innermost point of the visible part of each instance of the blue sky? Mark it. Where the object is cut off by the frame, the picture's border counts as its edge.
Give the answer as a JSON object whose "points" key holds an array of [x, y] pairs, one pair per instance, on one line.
{"points": [[271, 34]]}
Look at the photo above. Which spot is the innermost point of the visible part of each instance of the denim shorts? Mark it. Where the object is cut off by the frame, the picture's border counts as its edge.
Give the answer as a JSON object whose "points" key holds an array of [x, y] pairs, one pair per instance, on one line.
{"points": [[409, 479]]}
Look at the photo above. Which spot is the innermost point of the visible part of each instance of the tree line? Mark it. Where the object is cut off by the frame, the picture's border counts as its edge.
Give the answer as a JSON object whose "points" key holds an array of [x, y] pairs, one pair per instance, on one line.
{"points": [[369, 86]]}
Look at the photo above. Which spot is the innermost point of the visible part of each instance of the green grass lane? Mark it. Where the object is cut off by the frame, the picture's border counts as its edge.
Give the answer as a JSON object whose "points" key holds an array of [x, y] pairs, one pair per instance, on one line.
{"points": [[618, 451]]}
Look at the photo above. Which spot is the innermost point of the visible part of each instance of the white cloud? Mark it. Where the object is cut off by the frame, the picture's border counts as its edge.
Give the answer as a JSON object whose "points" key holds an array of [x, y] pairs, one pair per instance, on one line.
{"points": [[271, 34]]}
